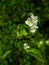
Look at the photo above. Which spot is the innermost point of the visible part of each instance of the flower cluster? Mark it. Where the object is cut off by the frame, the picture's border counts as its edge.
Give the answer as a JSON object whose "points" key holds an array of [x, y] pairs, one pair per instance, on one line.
{"points": [[32, 22], [26, 46]]}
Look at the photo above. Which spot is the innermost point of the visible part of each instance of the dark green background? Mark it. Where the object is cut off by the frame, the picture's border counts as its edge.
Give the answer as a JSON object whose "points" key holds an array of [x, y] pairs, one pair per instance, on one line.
{"points": [[13, 14]]}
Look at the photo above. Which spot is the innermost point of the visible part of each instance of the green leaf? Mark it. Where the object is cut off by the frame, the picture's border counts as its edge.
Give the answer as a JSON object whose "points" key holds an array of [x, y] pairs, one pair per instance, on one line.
{"points": [[6, 54], [24, 32], [36, 53], [21, 33]]}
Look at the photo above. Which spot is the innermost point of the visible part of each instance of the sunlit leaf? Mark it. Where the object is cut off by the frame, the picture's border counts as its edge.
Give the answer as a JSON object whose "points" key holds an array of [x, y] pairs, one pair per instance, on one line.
{"points": [[36, 53], [6, 54], [24, 32]]}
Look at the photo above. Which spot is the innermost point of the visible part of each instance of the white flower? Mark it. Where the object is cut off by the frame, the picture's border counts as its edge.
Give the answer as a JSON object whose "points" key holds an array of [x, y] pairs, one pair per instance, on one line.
{"points": [[35, 24], [29, 22], [26, 46], [34, 18], [32, 29], [32, 22]]}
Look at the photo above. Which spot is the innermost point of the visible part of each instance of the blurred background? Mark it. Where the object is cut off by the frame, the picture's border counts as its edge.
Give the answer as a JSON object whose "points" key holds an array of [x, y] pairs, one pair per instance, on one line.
{"points": [[14, 32]]}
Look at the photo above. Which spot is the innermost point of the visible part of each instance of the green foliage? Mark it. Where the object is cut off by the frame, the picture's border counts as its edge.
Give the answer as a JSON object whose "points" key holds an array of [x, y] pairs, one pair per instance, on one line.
{"points": [[14, 33], [6, 54], [36, 53]]}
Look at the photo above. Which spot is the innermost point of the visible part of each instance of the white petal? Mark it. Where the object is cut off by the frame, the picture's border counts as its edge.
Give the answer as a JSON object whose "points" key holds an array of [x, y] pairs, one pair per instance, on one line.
{"points": [[32, 29], [29, 22], [26, 22], [36, 17], [29, 19], [36, 20], [33, 17], [31, 14], [35, 26], [25, 44]]}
